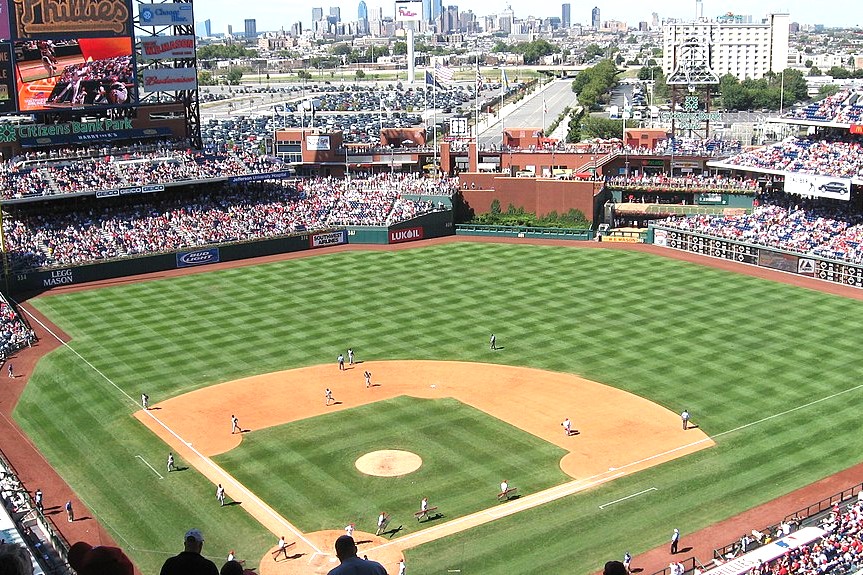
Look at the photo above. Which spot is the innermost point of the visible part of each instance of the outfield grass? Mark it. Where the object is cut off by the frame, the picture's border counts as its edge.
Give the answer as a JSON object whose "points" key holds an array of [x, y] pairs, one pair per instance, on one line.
{"points": [[732, 349], [306, 470]]}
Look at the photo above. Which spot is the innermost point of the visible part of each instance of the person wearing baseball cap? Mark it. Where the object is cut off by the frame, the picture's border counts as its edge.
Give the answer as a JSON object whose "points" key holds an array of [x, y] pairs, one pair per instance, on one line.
{"points": [[190, 561], [88, 560]]}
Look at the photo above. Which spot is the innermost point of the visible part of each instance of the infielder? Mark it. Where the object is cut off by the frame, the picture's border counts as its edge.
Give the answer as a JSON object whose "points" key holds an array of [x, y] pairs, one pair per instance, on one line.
{"points": [[220, 495], [235, 425]]}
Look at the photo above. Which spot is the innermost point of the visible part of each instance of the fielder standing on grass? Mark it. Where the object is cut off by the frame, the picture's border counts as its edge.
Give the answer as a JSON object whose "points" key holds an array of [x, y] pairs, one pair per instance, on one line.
{"points": [[220, 495], [493, 342], [145, 401], [170, 462]]}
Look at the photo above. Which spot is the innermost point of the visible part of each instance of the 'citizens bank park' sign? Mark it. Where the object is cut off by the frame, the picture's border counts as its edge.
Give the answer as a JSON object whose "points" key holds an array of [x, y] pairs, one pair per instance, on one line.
{"points": [[167, 47], [71, 18], [406, 235]]}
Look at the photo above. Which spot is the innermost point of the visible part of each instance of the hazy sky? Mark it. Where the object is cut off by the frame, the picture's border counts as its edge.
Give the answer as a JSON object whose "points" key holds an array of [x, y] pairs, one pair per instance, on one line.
{"points": [[275, 14]]}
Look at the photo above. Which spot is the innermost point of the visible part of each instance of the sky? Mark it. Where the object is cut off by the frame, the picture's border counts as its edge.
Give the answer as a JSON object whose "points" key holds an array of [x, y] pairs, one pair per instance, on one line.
{"points": [[274, 14]]}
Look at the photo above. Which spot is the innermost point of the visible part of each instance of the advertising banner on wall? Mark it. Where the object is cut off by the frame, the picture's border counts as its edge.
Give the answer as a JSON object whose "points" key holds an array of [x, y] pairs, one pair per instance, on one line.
{"points": [[169, 79], [409, 10], [818, 186], [318, 143], [165, 14], [198, 257], [167, 47], [329, 239], [406, 235], [74, 74], [53, 19], [5, 21]]}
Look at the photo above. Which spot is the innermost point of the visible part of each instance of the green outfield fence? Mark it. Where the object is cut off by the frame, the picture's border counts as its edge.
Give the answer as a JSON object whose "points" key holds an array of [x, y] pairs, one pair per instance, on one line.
{"points": [[578, 234]]}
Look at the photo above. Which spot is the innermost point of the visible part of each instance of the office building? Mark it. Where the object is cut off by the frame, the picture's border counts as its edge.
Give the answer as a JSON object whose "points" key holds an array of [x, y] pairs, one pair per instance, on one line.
{"points": [[336, 13], [317, 14], [251, 28], [565, 15], [363, 17], [230, 30], [594, 18], [745, 50], [437, 9], [427, 10], [208, 28]]}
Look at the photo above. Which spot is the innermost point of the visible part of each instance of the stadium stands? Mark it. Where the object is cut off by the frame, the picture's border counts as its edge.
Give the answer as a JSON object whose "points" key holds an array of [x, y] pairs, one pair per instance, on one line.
{"points": [[832, 230], [40, 238], [841, 158]]}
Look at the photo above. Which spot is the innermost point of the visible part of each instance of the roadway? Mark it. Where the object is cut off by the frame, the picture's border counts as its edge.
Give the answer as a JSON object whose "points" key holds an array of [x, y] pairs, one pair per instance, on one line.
{"points": [[528, 112]]}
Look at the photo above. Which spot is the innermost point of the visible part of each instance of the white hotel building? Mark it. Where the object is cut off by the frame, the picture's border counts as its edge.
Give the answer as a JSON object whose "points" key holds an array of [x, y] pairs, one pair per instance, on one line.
{"points": [[744, 49]]}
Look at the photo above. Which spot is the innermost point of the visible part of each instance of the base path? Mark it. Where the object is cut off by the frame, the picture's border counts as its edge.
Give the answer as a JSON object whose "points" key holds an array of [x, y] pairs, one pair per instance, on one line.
{"points": [[619, 433]]}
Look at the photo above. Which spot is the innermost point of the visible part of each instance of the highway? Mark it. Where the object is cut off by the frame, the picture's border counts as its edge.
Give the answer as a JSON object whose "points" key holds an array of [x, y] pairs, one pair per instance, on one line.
{"points": [[558, 96]]}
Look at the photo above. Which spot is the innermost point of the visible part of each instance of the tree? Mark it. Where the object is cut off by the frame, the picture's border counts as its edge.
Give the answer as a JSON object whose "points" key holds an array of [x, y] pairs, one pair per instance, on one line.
{"points": [[808, 63], [838, 73], [814, 71], [205, 78], [341, 50], [827, 90], [593, 50], [400, 48], [359, 75], [605, 128], [235, 73], [304, 75]]}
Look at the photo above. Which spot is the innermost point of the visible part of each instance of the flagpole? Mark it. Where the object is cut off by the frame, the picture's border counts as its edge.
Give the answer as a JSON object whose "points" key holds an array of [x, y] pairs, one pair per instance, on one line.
{"points": [[500, 111], [434, 118], [476, 106]]}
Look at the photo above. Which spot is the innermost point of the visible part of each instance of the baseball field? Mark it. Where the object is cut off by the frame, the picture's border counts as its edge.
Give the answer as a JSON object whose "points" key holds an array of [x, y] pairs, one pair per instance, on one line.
{"points": [[768, 371]]}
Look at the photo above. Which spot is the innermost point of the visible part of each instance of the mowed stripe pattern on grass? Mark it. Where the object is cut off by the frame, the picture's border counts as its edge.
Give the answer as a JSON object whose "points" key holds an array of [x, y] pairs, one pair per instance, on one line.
{"points": [[306, 469], [730, 348]]}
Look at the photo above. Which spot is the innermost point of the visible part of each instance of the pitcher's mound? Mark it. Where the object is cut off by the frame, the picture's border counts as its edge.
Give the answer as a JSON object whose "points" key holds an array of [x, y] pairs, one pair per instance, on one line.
{"points": [[389, 463]]}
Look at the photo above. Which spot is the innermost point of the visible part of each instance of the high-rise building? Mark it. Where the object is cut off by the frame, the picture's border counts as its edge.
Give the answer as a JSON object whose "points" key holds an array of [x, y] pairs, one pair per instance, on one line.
{"points": [[451, 22], [654, 21], [336, 13], [437, 9], [594, 18], [208, 28], [745, 50], [317, 14], [427, 10], [363, 17], [251, 28], [230, 30], [565, 11]]}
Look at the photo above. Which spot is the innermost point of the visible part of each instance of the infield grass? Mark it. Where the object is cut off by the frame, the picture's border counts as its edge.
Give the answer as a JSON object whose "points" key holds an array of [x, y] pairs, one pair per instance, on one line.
{"points": [[306, 470], [732, 349]]}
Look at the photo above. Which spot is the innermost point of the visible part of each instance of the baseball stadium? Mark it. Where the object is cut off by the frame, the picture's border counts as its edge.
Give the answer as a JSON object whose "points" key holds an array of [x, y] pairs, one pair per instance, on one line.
{"points": [[261, 348]]}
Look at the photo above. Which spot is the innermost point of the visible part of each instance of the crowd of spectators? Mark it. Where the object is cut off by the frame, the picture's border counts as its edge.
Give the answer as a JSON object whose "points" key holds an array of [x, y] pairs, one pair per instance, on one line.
{"points": [[126, 167], [829, 229], [702, 183], [841, 158], [825, 110], [36, 238], [14, 333]]}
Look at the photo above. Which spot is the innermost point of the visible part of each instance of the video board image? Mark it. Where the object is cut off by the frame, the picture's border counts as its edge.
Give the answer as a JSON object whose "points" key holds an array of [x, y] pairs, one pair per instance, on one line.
{"points": [[74, 74]]}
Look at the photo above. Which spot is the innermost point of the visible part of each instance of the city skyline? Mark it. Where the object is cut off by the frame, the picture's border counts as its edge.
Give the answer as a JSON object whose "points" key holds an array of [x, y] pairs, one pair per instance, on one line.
{"points": [[225, 12]]}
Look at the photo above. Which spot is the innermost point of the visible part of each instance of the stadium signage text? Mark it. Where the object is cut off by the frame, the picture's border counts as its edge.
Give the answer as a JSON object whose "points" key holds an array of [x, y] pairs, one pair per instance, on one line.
{"points": [[691, 117], [36, 17], [329, 239], [169, 79], [197, 258], [406, 235], [58, 277], [167, 47], [41, 130], [165, 14], [260, 177]]}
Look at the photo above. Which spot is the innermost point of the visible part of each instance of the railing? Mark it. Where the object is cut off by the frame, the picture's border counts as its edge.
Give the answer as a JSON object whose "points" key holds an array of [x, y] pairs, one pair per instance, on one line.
{"points": [[798, 516], [689, 565], [582, 234], [677, 209]]}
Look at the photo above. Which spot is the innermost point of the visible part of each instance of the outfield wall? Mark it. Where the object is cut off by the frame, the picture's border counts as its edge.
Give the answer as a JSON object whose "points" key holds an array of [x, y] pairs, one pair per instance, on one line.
{"points": [[772, 258], [432, 225]]}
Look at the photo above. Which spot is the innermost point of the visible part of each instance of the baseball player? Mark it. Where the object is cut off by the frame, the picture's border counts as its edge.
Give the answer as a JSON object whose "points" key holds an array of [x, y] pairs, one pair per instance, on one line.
{"points": [[329, 395], [350, 356], [235, 425], [493, 342], [145, 401], [402, 569], [349, 529], [170, 462], [684, 417], [383, 519], [424, 507], [10, 372], [368, 375], [38, 500], [341, 360], [675, 540], [567, 427], [282, 548], [220, 494]]}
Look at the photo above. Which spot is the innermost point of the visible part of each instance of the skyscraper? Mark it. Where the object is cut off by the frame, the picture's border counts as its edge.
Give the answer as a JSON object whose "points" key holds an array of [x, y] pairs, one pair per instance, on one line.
{"points": [[565, 15], [336, 13], [317, 14], [251, 28], [427, 10], [437, 9], [208, 28], [363, 17], [594, 18]]}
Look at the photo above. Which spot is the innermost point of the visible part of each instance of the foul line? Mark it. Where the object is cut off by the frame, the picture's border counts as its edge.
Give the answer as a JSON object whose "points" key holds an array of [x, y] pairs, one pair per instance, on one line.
{"points": [[536, 499], [604, 505], [227, 477], [150, 466]]}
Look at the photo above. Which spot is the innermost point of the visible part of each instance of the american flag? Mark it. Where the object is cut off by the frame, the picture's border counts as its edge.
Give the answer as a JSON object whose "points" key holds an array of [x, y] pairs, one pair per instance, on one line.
{"points": [[442, 73], [479, 81]]}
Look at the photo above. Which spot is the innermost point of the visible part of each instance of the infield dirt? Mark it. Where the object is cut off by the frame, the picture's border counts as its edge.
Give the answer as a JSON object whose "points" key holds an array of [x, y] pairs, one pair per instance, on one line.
{"points": [[618, 433]]}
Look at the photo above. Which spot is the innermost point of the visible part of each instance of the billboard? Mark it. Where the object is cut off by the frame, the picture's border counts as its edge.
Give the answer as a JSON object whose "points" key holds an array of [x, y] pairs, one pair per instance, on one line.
{"points": [[818, 186], [406, 235], [318, 143], [169, 79], [165, 14], [167, 47], [409, 10], [7, 79], [74, 74], [51, 19]]}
